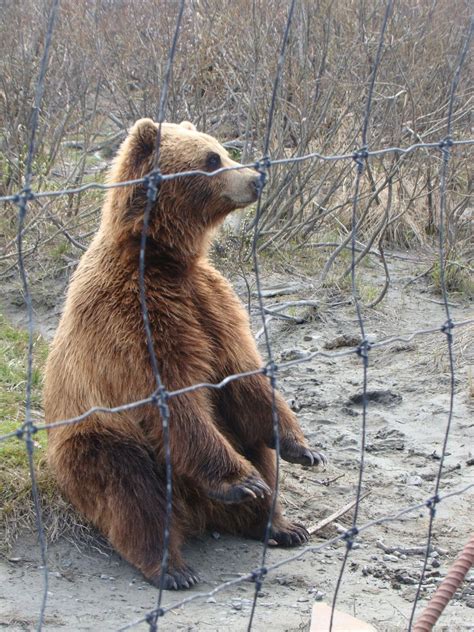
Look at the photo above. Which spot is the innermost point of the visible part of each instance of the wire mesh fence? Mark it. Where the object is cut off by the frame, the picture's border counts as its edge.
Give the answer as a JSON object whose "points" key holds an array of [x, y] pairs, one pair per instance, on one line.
{"points": [[161, 396]]}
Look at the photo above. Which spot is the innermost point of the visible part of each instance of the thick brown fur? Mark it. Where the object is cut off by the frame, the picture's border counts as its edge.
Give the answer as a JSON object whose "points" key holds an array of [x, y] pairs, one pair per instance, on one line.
{"points": [[111, 466]]}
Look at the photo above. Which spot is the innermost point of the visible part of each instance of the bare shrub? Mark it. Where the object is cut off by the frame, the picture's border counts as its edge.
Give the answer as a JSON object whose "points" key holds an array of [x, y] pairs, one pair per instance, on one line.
{"points": [[107, 64]]}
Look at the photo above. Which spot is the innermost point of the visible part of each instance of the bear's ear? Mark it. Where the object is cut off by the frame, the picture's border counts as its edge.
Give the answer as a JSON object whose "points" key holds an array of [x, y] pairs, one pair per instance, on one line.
{"points": [[188, 125], [143, 134]]}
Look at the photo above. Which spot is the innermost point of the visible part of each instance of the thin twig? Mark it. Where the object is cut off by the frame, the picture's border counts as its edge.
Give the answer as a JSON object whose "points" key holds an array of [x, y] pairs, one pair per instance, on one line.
{"points": [[334, 516]]}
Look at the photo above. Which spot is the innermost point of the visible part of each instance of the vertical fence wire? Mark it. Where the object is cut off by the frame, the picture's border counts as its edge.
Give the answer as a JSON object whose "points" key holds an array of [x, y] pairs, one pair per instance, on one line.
{"points": [[271, 367], [360, 157], [28, 429], [161, 395], [448, 328]]}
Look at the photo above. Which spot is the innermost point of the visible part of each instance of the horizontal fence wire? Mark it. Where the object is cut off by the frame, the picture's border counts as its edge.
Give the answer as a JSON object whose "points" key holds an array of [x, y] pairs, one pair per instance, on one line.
{"points": [[160, 397], [268, 163], [329, 355]]}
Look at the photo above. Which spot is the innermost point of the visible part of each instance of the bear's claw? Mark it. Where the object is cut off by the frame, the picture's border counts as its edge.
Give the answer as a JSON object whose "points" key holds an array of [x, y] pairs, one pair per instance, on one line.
{"points": [[296, 453], [291, 534], [249, 488], [176, 579]]}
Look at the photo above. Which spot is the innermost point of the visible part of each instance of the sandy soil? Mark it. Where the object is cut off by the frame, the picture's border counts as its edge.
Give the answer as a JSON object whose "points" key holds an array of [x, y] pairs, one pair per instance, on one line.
{"points": [[92, 589]]}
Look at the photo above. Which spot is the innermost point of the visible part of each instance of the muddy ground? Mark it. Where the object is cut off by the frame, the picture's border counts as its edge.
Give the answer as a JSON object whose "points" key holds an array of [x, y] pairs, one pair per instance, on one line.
{"points": [[90, 588]]}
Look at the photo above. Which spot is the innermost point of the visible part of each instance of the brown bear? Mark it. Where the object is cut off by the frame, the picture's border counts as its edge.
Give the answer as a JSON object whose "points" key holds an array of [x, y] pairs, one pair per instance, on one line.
{"points": [[112, 466]]}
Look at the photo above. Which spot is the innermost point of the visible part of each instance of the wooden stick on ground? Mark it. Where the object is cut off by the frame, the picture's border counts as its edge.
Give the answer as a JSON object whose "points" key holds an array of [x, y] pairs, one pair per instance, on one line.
{"points": [[334, 516]]}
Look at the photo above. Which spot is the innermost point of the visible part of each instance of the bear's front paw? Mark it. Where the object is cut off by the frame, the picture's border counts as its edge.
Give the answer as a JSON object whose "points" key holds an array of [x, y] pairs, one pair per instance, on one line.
{"points": [[176, 578], [288, 534], [294, 452], [249, 488]]}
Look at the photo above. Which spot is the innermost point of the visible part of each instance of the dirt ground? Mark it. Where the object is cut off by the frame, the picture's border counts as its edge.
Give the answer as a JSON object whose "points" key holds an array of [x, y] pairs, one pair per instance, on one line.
{"points": [[90, 588]]}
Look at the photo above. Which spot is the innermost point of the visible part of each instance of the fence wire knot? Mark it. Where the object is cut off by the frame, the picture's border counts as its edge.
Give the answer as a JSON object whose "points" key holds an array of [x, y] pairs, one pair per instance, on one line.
{"points": [[270, 369], [431, 504], [349, 536], [258, 575], [152, 184], [25, 195], [448, 327], [360, 155], [363, 350], [446, 143], [160, 396], [28, 429], [151, 618]]}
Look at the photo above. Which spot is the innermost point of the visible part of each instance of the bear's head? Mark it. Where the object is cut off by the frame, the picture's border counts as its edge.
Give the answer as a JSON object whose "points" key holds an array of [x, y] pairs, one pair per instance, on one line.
{"points": [[188, 207]]}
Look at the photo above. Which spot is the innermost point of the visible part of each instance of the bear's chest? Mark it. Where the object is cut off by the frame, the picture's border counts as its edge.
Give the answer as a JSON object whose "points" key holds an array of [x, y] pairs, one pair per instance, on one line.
{"points": [[199, 322], [220, 315]]}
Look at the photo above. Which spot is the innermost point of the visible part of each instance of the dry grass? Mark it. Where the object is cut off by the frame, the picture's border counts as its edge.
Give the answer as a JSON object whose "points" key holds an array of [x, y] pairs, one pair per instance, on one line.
{"points": [[17, 510], [463, 352]]}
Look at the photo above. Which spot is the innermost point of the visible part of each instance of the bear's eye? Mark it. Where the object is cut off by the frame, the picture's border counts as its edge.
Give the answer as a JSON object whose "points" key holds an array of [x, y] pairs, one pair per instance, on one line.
{"points": [[213, 162]]}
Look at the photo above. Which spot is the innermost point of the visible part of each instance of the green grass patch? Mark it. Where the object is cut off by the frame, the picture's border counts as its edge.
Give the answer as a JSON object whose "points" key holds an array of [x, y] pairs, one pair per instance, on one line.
{"points": [[13, 370], [16, 507], [17, 510]]}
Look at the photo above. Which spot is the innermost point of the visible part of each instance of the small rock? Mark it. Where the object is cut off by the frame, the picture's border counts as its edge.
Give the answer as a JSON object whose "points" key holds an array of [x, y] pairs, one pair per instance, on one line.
{"points": [[435, 563], [294, 404], [211, 600], [415, 481], [390, 558]]}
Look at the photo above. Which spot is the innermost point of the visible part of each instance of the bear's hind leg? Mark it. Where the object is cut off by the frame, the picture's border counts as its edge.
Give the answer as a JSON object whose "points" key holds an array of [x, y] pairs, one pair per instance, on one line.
{"points": [[115, 482]]}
